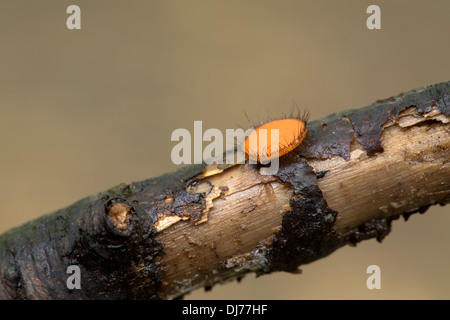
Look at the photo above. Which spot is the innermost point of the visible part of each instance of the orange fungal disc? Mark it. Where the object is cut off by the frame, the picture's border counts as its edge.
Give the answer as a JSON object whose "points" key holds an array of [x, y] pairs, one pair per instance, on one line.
{"points": [[291, 133]]}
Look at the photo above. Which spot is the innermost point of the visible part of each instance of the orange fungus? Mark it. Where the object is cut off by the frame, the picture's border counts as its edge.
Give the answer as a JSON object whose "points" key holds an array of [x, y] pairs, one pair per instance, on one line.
{"points": [[258, 144]]}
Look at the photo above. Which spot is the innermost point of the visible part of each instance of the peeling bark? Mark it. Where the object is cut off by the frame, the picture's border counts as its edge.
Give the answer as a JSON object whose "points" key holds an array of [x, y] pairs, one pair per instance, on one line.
{"points": [[157, 239]]}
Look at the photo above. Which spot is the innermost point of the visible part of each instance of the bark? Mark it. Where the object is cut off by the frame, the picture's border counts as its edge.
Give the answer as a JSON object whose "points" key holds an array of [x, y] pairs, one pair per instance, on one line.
{"points": [[160, 238]]}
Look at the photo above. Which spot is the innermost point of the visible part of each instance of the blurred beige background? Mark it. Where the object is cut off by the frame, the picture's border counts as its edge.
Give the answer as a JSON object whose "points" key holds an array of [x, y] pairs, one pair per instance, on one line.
{"points": [[82, 111]]}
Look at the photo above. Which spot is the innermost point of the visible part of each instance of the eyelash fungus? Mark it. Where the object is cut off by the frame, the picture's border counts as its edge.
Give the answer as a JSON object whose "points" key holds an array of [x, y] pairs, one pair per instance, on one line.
{"points": [[291, 131]]}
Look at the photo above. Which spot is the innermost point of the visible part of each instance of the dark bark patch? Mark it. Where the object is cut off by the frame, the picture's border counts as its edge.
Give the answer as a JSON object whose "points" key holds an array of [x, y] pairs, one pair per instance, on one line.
{"points": [[321, 174], [374, 228], [306, 232], [420, 210], [331, 136], [368, 121], [151, 188], [117, 263], [326, 138], [172, 194]]}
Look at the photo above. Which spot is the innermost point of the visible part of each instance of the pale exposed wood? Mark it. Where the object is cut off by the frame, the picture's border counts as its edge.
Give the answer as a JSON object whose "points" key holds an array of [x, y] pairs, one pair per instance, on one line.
{"points": [[413, 171]]}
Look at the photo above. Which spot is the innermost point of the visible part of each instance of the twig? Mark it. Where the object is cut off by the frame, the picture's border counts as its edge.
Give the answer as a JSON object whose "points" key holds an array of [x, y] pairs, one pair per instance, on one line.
{"points": [[161, 238]]}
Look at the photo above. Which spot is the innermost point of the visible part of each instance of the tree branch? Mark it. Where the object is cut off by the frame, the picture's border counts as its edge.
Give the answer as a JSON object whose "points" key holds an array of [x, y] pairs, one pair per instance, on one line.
{"points": [[161, 238]]}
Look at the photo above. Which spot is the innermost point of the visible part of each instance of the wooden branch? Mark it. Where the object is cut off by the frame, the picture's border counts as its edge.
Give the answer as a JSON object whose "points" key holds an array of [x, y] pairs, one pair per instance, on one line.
{"points": [[161, 238]]}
